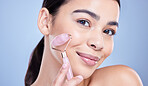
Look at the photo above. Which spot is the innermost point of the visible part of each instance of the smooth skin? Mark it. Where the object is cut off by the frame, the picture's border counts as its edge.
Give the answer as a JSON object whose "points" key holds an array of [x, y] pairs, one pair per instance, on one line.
{"points": [[86, 30]]}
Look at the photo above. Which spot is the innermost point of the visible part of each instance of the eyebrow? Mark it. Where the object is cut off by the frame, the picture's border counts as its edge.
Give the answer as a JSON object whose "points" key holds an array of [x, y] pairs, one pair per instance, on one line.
{"points": [[113, 23], [93, 15]]}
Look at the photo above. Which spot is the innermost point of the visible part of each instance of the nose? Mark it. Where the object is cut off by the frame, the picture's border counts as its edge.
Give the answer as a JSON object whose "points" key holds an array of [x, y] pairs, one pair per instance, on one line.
{"points": [[96, 42]]}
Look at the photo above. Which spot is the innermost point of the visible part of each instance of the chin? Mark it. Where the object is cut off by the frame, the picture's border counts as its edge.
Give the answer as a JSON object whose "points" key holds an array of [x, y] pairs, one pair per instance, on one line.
{"points": [[85, 72], [81, 68]]}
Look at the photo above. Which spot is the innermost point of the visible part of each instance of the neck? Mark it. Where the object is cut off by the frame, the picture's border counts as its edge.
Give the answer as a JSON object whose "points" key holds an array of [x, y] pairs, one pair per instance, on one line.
{"points": [[48, 69]]}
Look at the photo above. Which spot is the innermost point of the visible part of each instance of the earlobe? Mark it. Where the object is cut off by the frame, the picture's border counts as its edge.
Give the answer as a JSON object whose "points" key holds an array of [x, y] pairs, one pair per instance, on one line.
{"points": [[44, 21]]}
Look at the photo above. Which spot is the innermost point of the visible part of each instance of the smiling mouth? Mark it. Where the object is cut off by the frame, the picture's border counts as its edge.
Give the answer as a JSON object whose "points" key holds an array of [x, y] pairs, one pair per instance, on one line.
{"points": [[88, 59]]}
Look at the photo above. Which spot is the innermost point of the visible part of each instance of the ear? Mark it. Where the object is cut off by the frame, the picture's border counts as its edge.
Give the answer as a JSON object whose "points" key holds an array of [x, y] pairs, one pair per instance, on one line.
{"points": [[44, 21]]}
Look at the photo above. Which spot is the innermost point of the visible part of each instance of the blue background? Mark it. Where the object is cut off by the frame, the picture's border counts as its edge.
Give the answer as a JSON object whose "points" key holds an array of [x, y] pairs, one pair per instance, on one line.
{"points": [[19, 34]]}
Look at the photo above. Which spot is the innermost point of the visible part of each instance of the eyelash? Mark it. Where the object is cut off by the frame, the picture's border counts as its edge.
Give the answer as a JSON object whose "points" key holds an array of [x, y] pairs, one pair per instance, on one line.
{"points": [[107, 32], [83, 22], [110, 32]]}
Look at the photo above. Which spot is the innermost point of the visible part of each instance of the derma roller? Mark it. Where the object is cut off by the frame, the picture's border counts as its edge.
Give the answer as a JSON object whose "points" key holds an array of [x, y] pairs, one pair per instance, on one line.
{"points": [[63, 39]]}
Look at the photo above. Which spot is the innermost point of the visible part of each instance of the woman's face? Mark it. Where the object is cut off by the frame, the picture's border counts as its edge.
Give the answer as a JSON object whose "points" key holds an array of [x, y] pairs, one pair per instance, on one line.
{"points": [[92, 24]]}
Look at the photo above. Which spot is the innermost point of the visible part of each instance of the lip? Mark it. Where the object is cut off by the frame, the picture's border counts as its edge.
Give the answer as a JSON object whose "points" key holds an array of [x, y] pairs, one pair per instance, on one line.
{"points": [[88, 59]]}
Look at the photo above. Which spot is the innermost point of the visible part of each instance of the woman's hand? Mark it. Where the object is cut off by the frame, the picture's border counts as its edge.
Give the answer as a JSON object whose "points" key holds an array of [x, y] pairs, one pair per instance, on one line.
{"points": [[60, 79]]}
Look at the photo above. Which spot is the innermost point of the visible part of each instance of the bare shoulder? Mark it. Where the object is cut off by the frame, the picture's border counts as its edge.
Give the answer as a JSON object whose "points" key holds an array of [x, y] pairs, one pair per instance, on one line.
{"points": [[117, 75]]}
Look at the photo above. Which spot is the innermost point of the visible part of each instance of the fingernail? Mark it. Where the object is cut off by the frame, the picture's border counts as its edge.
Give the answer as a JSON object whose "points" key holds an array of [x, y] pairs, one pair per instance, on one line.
{"points": [[80, 77]]}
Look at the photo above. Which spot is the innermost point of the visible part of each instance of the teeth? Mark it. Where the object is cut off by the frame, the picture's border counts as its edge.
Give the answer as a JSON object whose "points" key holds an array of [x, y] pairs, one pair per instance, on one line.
{"points": [[86, 59]]}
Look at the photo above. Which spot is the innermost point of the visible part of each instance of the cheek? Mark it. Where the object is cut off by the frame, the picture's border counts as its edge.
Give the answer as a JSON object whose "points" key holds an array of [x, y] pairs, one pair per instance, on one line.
{"points": [[77, 39], [108, 47], [70, 28]]}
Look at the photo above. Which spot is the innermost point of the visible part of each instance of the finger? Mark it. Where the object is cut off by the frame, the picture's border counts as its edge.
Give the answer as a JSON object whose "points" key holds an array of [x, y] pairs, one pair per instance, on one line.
{"points": [[74, 81], [61, 75]]}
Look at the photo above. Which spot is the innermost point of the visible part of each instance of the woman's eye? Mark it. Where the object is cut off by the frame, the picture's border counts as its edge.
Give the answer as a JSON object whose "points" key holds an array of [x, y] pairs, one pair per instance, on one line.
{"points": [[109, 32], [84, 22]]}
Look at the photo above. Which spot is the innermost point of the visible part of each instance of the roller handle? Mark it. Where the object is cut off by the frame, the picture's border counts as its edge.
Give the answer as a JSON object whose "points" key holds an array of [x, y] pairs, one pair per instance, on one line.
{"points": [[65, 60]]}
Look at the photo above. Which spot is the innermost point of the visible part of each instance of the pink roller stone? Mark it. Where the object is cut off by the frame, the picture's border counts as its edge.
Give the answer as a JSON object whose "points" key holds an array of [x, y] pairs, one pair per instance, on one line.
{"points": [[60, 39]]}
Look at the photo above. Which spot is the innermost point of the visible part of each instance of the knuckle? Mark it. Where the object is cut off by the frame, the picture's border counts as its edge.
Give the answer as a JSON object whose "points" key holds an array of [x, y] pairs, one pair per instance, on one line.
{"points": [[61, 71]]}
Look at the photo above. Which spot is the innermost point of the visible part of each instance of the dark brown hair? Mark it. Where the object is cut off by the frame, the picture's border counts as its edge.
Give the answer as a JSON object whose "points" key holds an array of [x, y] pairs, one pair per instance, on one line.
{"points": [[36, 57]]}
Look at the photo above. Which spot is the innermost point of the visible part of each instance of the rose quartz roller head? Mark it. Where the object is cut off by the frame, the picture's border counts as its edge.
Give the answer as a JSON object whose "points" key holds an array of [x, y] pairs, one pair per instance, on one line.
{"points": [[59, 41]]}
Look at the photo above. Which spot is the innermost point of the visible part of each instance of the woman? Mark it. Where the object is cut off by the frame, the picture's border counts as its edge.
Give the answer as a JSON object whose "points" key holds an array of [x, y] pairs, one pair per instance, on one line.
{"points": [[92, 24]]}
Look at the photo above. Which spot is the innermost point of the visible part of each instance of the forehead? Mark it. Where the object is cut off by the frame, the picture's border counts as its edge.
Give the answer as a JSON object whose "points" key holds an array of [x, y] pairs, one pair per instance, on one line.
{"points": [[103, 8]]}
